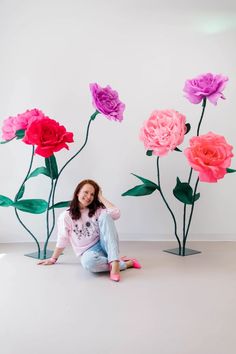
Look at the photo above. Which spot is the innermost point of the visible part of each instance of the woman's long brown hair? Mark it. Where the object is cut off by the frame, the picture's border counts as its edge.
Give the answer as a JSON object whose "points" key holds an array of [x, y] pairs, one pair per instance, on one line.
{"points": [[74, 208]]}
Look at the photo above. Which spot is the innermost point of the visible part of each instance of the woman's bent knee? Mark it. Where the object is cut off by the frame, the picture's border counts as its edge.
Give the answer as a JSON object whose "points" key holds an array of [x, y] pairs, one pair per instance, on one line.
{"points": [[90, 262]]}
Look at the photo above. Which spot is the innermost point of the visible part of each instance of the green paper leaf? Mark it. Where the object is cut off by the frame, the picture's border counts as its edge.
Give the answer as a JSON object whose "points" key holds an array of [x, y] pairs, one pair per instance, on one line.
{"points": [[60, 205], [20, 133], [197, 196], [177, 149], [184, 192], [139, 191], [147, 182], [21, 192], [5, 201], [51, 164], [38, 171], [33, 206], [149, 152], [188, 127], [230, 170], [148, 187]]}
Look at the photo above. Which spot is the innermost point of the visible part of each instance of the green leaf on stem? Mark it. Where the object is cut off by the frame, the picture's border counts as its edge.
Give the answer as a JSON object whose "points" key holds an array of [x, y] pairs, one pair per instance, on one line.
{"points": [[60, 205], [51, 165], [139, 191], [149, 152], [188, 127], [20, 193], [177, 149], [20, 133], [39, 171], [148, 187], [5, 201], [33, 206], [197, 196], [147, 181], [230, 170], [184, 192]]}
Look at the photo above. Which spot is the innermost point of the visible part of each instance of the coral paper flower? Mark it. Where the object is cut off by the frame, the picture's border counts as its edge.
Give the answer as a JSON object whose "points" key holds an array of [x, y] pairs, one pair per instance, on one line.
{"points": [[210, 155], [48, 135], [21, 121], [163, 131], [205, 86], [107, 102]]}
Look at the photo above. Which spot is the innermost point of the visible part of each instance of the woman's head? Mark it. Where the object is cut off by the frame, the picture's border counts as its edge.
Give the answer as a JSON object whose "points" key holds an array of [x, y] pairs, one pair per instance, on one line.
{"points": [[85, 196]]}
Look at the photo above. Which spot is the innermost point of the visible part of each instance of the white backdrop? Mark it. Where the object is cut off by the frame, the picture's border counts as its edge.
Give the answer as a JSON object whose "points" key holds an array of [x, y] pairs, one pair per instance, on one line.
{"points": [[51, 51]]}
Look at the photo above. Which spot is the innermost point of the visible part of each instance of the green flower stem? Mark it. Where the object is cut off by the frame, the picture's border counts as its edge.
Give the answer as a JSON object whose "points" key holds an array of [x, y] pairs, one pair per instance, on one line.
{"points": [[7, 141], [93, 116], [24, 226], [191, 170], [47, 213], [190, 217], [185, 206], [171, 212], [203, 110], [16, 212]]}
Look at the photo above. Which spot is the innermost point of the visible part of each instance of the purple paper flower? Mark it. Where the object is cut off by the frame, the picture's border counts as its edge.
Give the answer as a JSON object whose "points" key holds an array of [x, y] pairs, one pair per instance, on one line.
{"points": [[206, 85], [107, 102]]}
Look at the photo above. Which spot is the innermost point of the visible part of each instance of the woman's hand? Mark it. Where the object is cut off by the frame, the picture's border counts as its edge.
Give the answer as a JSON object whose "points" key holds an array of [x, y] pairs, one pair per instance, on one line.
{"points": [[49, 261], [100, 195]]}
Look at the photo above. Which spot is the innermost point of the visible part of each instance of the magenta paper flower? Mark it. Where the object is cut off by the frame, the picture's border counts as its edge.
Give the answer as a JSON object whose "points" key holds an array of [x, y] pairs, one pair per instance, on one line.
{"points": [[21, 121], [163, 131], [107, 102], [48, 135], [205, 86], [210, 155]]}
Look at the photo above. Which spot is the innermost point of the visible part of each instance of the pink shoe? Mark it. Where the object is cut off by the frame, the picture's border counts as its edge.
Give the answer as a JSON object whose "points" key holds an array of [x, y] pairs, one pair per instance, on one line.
{"points": [[114, 276], [136, 264]]}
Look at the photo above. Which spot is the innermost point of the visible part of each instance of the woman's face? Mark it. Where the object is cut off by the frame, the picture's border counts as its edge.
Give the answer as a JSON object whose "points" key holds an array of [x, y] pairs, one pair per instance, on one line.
{"points": [[86, 195]]}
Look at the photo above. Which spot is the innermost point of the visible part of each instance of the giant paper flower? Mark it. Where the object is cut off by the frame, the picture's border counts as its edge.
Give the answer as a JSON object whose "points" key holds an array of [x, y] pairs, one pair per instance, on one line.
{"points": [[21, 121], [205, 86], [210, 155], [107, 102], [48, 135], [163, 131]]}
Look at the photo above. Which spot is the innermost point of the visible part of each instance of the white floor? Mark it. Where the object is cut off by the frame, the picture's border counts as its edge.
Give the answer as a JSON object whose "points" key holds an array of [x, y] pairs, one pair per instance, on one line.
{"points": [[173, 305]]}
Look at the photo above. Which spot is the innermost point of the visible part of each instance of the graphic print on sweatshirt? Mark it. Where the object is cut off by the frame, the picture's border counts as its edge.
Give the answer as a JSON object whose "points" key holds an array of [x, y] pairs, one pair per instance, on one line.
{"points": [[87, 230]]}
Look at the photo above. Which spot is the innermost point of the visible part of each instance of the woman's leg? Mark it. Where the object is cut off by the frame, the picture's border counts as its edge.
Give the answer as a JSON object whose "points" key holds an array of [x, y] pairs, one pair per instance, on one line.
{"points": [[97, 258]]}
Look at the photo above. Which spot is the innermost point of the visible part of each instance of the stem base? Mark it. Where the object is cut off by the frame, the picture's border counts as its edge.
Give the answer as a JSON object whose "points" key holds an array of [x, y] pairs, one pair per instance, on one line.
{"points": [[181, 252], [41, 256]]}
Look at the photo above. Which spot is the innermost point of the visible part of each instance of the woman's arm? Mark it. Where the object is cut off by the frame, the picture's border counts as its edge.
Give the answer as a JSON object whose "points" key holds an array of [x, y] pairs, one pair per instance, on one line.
{"points": [[56, 254], [111, 208], [104, 201]]}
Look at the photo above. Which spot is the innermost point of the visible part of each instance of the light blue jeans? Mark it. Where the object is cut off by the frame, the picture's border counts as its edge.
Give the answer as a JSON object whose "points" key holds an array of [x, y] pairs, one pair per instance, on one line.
{"points": [[97, 258]]}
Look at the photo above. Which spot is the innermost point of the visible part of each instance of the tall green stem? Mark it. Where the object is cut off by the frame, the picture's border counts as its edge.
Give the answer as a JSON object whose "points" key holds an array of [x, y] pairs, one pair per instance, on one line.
{"points": [[164, 199], [190, 216], [190, 173], [16, 198], [47, 214], [93, 116]]}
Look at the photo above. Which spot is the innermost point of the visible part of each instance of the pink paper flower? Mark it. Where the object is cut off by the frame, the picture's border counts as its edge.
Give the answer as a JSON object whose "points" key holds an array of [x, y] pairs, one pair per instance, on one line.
{"points": [[107, 102], [210, 155], [163, 131], [21, 121], [48, 135], [206, 85]]}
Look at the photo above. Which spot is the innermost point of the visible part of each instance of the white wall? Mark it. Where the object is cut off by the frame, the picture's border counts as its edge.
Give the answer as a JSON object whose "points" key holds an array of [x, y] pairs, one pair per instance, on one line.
{"points": [[51, 51]]}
